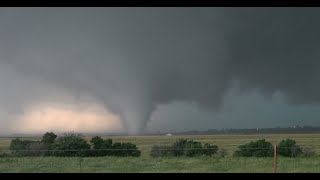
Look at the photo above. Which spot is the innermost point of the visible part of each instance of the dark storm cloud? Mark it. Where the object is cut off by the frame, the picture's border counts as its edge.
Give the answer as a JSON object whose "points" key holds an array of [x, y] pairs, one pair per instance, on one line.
{"points": [[134, 59], [278, 49]]}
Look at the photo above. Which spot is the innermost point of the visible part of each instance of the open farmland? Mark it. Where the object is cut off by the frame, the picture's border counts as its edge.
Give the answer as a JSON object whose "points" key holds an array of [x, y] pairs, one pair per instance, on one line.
{"points": [[146, 163]]}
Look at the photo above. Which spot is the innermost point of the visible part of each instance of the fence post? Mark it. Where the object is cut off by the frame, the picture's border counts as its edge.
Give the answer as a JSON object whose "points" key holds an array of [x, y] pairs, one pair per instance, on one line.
{"points": [[80, 161], [275, 159]]}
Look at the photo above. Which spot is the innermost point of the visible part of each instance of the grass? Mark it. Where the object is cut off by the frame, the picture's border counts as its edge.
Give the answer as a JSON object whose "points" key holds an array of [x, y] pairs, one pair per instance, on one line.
{"points": [[145, 163], [228, 142]]}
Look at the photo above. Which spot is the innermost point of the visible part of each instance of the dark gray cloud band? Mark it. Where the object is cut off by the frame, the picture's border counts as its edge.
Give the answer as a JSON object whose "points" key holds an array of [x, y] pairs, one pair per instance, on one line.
{"points": [[134, 59]]}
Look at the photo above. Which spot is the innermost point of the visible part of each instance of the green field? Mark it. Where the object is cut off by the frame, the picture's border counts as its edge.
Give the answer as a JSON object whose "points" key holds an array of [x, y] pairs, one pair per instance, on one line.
{"points": [[145, 163]]}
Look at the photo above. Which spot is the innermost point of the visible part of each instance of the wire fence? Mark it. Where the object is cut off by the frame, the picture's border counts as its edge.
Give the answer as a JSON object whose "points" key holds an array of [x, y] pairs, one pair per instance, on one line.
{"points": [[289, 159]]}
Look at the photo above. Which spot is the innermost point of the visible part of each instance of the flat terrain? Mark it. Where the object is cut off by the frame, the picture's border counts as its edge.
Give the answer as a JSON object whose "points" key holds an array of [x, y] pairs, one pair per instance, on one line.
{"points": [[145, 163]]}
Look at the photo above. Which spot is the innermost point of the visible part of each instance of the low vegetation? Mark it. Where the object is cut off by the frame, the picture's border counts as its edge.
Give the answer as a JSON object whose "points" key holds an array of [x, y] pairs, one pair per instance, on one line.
{"points": [[260, 148], [222, 161], [72, 144], [106, 148], [184, 147], [288, 148]]}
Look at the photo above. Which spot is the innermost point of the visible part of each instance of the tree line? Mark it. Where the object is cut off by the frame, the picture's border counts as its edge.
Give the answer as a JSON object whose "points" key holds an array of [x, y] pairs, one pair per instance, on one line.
{"points": [[73, 144]]}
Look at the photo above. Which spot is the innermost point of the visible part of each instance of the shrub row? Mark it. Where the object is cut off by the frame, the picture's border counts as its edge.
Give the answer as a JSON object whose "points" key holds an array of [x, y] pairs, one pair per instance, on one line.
{"points": [[184, 147], [262, 148], [72, 144]]}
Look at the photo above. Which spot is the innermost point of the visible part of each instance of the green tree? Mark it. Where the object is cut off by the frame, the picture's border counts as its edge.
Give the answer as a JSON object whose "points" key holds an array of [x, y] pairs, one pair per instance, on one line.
{"points": [[259, 148], [289, 148], [101, 147], [71, 144], [209, 149], [125, 149], [20, 147], [48, 138], [184, 147]]}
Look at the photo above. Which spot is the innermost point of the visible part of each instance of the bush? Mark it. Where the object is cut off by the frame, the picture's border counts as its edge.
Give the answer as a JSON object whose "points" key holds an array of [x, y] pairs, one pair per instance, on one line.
{"points": [[71, 144], [289, 148], [99, 143], [101, 147], [33, 148], [184, 147], [209, 149], [221, 153], [260, 148], [308, 151], [19, 147], [125, 149], [38, 149], [106, 148], [18, 144], [48, 138]]}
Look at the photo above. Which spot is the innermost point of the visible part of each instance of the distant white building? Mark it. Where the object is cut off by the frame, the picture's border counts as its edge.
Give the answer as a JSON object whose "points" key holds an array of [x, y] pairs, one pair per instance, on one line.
{"points": [[169, 134]]}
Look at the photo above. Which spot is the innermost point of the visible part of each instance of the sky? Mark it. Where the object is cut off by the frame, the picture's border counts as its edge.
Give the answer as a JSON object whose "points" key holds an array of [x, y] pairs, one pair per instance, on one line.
{"points": [[135, 70]]}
